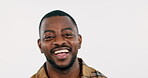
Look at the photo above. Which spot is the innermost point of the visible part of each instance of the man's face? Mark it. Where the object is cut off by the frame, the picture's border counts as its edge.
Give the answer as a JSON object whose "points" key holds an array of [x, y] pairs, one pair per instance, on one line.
{"points": [[59, 41]]}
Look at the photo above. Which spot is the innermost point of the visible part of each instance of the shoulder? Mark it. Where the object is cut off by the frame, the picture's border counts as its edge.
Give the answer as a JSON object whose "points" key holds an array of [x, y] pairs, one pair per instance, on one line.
{"points": [[33, 76], [89, 72], [41, 73]]}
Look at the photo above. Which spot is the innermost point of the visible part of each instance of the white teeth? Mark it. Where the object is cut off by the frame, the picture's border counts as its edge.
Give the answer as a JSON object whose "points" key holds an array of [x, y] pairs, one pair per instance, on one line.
{"points": [[61, 51]]}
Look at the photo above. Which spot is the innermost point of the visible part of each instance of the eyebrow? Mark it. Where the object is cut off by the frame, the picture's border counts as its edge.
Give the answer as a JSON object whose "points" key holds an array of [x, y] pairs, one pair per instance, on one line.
{"points": [[48, 31], [61, 30], [67, 29]]}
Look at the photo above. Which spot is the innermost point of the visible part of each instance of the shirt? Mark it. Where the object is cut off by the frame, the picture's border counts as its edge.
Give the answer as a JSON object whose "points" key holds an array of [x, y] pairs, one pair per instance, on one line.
{"points": [[86, 72]]}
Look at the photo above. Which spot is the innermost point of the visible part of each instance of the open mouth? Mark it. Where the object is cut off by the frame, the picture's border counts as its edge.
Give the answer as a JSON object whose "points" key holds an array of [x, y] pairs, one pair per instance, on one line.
{"points": [[61, 51]]}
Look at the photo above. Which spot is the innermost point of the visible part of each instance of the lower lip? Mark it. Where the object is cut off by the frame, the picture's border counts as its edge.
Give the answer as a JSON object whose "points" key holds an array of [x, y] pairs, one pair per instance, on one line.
{"points": [[62, 55]]}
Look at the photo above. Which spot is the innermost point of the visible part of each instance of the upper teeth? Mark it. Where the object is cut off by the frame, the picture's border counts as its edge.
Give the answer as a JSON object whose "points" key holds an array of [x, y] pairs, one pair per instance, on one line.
{"points": [[61, 51]]}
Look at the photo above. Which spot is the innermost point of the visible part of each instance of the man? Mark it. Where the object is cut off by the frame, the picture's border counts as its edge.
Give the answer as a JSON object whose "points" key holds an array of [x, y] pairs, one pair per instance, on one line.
{"points": [[60, 41]]}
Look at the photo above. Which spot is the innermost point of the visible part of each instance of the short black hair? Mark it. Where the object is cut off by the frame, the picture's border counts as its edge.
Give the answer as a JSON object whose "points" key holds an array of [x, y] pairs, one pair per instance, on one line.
{"points": [[57, 13]]}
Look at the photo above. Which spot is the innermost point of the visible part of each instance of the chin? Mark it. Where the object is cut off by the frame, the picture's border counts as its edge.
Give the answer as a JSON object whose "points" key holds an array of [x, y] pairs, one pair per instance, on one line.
{"points": [[62, 66]]}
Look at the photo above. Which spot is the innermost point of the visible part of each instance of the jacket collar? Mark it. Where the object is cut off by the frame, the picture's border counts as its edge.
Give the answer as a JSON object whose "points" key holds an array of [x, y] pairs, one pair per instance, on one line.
{"points": [[86, 71]]}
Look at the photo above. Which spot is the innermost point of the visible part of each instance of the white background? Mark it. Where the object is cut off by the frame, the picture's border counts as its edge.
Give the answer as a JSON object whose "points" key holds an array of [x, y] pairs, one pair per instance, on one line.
{"points": [[115, 35]]}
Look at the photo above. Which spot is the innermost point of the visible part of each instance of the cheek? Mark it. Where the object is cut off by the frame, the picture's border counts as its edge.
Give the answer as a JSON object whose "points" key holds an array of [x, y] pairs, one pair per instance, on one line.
{"points": [[46, 47], [46, 50], [75, 44]]}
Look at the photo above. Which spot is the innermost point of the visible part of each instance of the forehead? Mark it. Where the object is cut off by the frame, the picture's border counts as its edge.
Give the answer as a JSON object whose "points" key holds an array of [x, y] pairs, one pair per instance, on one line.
{"points": [[57, 22]]}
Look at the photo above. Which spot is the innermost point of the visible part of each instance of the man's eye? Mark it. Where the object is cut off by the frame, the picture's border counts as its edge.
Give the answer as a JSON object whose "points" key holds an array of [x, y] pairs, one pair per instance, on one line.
{"points": [[49, 37], [68, 35]]}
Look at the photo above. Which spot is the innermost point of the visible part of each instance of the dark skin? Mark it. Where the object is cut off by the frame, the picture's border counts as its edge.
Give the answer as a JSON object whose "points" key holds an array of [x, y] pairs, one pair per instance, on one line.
{"points": [[59, 33]]}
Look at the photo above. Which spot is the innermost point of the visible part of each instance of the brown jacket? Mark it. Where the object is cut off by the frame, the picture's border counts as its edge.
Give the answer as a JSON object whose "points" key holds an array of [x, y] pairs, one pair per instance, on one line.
{"points": [[87, 72]]}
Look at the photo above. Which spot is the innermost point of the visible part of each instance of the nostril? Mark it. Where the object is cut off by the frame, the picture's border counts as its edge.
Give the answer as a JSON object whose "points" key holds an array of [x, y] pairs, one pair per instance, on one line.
{"points": [[59, 43]]}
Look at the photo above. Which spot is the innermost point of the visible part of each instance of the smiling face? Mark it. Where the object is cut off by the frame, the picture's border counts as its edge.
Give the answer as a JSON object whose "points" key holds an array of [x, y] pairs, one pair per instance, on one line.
{"points": [[59, 41]]}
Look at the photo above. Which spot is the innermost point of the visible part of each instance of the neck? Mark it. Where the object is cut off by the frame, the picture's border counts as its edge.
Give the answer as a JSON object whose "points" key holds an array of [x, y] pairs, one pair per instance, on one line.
{"points": [[72, 72]]}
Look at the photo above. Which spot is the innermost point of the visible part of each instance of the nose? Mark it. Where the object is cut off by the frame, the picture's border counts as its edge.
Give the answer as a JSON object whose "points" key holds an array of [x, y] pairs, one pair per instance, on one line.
{"points": [[59, 41]]}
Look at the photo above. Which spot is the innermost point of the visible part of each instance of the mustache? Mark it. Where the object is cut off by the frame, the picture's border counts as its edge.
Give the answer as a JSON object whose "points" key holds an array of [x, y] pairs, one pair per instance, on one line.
{"points": [[58, 47]]}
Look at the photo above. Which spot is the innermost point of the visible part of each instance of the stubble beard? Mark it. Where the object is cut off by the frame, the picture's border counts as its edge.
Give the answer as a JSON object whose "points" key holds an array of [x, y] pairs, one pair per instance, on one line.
{"points": [[62, 68]]}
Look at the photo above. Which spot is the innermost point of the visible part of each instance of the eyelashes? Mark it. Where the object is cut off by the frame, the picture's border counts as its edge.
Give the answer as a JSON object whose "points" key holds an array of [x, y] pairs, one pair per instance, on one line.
{"points": [[49, 37], [68, 35]]}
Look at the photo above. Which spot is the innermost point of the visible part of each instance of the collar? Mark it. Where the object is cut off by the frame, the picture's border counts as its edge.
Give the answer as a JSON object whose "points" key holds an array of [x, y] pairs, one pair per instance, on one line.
{"points": [[86, 72]]}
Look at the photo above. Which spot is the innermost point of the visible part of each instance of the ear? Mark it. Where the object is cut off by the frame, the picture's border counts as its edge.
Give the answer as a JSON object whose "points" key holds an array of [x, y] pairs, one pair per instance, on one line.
{"points": [[80, 40], [40, 45]]}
